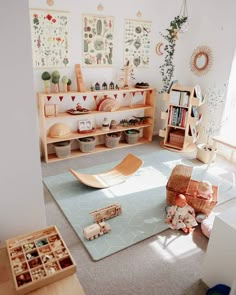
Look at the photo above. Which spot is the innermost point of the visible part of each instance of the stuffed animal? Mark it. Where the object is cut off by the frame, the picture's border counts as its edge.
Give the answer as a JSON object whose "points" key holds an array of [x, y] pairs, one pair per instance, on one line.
{"points": [[181, 215]]}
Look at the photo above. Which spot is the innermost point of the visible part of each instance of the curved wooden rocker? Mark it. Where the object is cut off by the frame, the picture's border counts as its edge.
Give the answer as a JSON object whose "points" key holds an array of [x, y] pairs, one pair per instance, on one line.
{"points": [[120, 173]]}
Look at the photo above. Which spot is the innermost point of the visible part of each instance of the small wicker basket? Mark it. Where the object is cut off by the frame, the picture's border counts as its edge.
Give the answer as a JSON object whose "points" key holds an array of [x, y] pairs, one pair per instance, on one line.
{"points": [[112, 139], [86, 144], [180, 182], [132, 136], [62, 149]]}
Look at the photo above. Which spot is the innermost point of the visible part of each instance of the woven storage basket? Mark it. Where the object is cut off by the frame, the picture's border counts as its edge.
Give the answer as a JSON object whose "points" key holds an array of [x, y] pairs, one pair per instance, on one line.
{"points": [[86, 144], [200, 205], [112, 139], [180, 182], [62, 149], [132, 136]]}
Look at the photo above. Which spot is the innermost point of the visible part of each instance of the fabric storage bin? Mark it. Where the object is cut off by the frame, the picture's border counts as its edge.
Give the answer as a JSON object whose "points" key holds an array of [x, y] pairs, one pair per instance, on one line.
{"points": [[86, 144], [131, 136], [112, 139], [180, 182], [62, 149]]}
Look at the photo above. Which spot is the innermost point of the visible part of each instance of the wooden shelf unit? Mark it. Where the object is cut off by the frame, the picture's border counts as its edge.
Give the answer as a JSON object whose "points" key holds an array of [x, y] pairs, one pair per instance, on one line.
{"points": [[128, 108], [180, 133]]}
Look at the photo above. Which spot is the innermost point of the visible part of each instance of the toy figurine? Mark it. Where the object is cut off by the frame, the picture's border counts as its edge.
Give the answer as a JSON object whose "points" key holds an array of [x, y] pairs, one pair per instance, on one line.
{"points": [[181, 215]]}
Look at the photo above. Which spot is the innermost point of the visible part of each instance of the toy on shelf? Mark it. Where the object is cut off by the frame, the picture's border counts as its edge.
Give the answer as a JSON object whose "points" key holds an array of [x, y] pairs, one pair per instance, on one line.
{"points": [[64, 80], [69, 85], [106, 212], [96, 230], [126, 75], [142, 85], [79, 110], [181, 215], [46, 78], [55, 81], [79, 79]]}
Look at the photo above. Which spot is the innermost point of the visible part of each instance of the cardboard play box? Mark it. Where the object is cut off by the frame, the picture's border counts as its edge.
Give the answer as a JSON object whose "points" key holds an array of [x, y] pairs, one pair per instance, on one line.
{"points": [[39, 258]]}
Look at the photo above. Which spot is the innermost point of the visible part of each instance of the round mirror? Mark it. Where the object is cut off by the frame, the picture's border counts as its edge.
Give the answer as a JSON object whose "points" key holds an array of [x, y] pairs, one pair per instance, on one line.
{"points": [[201, 60]]}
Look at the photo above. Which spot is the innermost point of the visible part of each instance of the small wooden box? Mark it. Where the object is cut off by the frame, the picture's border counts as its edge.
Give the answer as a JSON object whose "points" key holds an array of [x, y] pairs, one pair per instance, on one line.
{"points": [[51, 110], [38, 259]]}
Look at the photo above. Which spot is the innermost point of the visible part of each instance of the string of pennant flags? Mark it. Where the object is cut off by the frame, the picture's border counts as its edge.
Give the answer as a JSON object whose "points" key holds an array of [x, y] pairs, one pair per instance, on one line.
{"points": [[61, 97]]}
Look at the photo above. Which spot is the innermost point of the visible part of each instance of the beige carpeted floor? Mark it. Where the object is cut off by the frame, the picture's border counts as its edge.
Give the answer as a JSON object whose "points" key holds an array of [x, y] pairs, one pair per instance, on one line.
{"points": [[166, 264]]}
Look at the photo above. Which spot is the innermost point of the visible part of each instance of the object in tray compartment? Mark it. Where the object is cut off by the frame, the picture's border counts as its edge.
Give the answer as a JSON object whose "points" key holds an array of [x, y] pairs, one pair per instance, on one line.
{"points": [[41, 242], [16, 251], [23, 279], [29, 246], [47, 257], [21, 267], [32, 255], [45, 249], [35, 262], [57, 245], [53, 238], [38, 273], [61, 253], [52, 267], [65, 262], [18, 259]]}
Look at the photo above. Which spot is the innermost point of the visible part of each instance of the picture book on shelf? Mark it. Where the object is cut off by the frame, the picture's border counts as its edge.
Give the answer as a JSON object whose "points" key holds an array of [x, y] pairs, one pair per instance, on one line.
{"points": [[194, 112], [193, 132], [175, 97], [198, 92]]}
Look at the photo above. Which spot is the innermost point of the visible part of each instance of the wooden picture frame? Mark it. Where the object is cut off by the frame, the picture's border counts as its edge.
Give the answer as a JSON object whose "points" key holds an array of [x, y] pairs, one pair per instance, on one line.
{"points": [[85, 126]]}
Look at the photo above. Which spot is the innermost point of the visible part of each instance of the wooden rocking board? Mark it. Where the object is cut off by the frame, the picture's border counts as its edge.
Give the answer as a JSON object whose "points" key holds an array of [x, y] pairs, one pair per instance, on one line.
{"points": [[120, 173]]}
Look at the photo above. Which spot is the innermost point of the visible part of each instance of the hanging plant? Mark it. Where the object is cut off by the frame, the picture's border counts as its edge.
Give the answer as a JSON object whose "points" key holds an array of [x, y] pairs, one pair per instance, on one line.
{"points": [[167, 69]]}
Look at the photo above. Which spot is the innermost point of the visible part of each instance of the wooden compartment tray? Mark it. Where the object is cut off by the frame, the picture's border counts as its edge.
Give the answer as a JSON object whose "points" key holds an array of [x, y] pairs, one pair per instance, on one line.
{"points": [[39, 258]]}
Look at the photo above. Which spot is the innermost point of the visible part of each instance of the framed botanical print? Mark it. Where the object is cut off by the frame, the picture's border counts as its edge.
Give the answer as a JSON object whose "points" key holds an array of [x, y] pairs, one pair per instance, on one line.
{"points": [[137, 42], [49, 34], [98, 40]]}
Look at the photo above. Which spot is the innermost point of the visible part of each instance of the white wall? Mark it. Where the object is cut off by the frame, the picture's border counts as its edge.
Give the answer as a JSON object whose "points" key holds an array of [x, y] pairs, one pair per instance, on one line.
{"points": [[21, 192], [211, 23]]}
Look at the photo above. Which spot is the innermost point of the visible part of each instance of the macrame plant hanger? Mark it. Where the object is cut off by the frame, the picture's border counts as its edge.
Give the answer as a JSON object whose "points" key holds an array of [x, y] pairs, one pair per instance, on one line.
{"points": [[184, 13]]}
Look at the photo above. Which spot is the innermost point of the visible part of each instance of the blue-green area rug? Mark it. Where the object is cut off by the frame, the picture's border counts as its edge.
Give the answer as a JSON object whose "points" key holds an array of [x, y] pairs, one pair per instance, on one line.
{"points": [[142, 198]]}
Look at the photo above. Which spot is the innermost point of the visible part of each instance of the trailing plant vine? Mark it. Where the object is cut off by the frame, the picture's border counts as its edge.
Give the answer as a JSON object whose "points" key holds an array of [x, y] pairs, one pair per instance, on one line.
{"points": [[167, 69]]}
